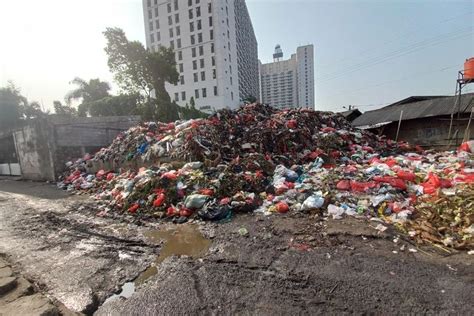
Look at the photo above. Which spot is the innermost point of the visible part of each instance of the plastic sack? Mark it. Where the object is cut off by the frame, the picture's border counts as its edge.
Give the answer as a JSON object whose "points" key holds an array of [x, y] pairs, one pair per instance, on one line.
{"points": [[357, 186], [432, 184], [392, 181], [195, 201], [313, 202], [467, 146], [406, 175]]}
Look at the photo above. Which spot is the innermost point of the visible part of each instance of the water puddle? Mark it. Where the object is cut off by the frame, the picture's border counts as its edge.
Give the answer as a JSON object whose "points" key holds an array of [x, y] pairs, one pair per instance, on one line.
{"points": [[127, 290], [182, 240]]}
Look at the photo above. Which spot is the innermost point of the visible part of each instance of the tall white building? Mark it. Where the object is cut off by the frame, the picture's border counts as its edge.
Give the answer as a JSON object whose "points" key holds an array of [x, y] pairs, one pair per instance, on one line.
{"points": [[289, 83], [215, 45]]}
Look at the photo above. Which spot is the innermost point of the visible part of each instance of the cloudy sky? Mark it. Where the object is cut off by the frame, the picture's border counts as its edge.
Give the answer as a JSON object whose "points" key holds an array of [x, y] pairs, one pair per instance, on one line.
{"points": [[368, 53]]}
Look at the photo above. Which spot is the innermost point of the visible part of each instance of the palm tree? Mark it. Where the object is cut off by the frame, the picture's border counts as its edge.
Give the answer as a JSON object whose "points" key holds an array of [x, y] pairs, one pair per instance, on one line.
{"points": [[88, 91]]}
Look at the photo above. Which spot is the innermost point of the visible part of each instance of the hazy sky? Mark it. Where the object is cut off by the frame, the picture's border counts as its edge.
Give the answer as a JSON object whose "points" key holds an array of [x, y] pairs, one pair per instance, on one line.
{"points": [[367, 53]]}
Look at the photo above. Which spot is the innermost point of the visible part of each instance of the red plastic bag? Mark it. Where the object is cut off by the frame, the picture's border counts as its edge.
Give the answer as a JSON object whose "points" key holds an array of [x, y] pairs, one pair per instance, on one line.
{"points": [[344, 185], [110, 176], [133, 209], [100, 174], [362, 186], [406, 175], [467, 147], [292, 124], [432, 184], [394, 182], [160, 198], [282, 207]]}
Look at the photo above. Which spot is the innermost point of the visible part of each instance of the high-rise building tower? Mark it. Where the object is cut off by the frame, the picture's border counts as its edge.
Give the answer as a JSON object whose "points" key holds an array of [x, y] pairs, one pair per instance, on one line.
{"points": [[289, 83], [215, 45]]}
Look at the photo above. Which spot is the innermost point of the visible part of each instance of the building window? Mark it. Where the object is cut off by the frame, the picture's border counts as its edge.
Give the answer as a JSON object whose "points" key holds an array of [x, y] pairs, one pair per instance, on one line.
{"points": [[210, 21], [232, 95], [181, 79], [180, 55], [171, 32], [178, 31], [199, 26], [156, 12], [215, 90], [231, 81], [196, 93], [157, 24], [176, 96], [201, 62], [191, 26], [227, 20], [204, 92], [172, 44], [170, 20], [176, 18], [227, 10], [196, 77], [148, 3], [195, 65], [212, 47], [214, 74], [201, 50], [199, 37], [203, 76], [190, 2], [181, 68], [213, 60], [175, 5], [209, 7], [211, 34], [150, 26], [230, 58], [228, 34], [230, 69], [183, 96], [193, 51], [158, 36], [178, 43], [169, 7], [197, 1], [190, 13], [152, 38], [198, 11], [150, 14], [193, 40]]}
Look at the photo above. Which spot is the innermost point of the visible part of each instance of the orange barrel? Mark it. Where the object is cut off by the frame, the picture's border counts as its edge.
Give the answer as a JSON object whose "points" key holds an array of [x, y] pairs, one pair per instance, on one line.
{"points": [[469, 68]]}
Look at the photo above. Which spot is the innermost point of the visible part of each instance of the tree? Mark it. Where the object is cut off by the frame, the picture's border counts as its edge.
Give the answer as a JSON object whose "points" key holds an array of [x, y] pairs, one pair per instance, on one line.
{"points": [[64, 110], [11, 103], [88, 91], [250, 99], [14, 107], [138, 70], [120, 105]]}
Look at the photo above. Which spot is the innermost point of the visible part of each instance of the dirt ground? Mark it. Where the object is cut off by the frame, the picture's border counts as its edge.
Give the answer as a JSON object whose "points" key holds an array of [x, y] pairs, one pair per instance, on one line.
{"points": [[282, 264]]}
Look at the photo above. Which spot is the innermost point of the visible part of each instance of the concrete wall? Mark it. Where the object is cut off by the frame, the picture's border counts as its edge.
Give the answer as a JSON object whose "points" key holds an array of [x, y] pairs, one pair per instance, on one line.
{"points": [[35, 150], [45, 145]]}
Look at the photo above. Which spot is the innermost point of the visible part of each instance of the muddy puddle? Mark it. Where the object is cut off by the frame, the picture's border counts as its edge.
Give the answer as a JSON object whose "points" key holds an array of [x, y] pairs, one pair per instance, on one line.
{"points": [[183, 240]]}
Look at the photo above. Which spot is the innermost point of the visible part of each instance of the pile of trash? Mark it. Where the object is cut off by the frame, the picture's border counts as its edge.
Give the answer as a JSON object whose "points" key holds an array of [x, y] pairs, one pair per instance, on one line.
{"points": [[259, 159], [287, 137]]}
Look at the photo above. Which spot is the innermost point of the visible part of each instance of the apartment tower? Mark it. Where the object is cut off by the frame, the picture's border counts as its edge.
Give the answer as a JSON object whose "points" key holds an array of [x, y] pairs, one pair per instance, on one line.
{"points": [[215, 45], [289, 83]]}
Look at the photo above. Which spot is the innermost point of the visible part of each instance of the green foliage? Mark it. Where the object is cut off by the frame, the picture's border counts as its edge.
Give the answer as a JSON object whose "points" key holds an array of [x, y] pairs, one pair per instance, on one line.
{"points": [[88, 91], [142, 71], [11, 102], [14, 107], [64, 110], [120, 105]]}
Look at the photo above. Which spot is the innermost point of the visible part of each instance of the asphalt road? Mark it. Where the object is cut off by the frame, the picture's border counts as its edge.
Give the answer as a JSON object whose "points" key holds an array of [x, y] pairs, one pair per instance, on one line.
{"points": [[282, 264]]}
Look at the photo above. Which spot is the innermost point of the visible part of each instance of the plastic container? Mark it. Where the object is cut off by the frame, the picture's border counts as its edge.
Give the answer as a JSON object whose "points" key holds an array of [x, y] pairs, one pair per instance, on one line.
{"points": [[469, 69]]}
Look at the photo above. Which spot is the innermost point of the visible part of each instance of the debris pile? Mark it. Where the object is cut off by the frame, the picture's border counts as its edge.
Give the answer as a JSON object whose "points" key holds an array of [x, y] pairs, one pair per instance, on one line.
{"points": [[260, 159]]}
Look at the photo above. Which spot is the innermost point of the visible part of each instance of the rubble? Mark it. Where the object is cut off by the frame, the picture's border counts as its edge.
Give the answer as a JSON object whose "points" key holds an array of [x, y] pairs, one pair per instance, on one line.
{"points": [[269, 161]]}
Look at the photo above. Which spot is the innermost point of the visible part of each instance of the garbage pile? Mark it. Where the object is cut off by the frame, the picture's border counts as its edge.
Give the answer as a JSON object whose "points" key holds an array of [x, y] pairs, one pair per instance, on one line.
{"points": [[287, 137], [259, 159]]}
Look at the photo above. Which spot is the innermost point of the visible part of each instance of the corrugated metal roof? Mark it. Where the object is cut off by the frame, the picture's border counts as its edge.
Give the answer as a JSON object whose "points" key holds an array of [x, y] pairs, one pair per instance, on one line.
{"points": [[427, 108]]}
